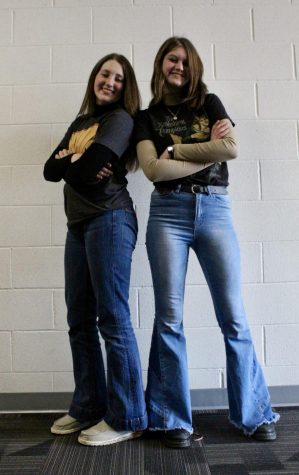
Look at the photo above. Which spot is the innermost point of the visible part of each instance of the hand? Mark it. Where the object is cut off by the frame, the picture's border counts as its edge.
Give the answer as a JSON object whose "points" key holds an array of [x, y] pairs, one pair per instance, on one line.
{"points": [[63, 153], [165, 155], [105, 172], [220, 129], [75, 157]]}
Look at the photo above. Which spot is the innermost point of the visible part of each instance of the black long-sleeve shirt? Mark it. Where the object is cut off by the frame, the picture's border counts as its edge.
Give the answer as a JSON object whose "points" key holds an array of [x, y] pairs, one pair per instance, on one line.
{"points": [[102, 138]]}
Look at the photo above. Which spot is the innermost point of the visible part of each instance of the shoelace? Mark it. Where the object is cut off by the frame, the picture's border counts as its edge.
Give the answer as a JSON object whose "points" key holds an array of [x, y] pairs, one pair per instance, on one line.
{"points": [[197, 437]]}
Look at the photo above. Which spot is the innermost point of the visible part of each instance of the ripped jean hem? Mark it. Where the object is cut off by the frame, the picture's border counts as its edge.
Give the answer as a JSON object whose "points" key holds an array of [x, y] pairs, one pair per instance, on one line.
{"points": [[275, 418]]}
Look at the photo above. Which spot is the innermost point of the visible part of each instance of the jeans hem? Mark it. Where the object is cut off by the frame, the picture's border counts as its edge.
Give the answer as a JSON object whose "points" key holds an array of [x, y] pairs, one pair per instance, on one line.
{"points": [[85, 415], [275, 418], [160, 429], [136, 424], [159, 420]]}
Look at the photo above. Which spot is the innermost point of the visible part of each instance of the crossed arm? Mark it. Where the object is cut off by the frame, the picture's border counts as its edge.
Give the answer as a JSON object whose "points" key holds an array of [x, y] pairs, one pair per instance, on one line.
{"points": [[76, 168], [188, 158]]}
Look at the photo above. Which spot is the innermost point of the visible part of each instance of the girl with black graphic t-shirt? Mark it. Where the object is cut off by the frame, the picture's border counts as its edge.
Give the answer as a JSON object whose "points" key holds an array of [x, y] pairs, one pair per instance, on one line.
{"points": [[101, 237], [184, 141]]}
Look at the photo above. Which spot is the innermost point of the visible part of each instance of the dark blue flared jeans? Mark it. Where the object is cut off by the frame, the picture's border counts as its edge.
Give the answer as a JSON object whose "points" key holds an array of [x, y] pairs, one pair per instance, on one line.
{"points": [[98, 255]]}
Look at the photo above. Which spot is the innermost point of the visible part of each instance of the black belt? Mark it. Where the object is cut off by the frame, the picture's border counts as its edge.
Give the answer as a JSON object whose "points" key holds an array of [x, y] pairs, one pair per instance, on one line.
{"points": [[220, 190]]}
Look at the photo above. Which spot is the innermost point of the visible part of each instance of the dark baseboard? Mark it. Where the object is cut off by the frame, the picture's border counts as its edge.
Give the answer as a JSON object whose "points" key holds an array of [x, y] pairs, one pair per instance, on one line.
{"points": [[201, 399], [36, 402]]}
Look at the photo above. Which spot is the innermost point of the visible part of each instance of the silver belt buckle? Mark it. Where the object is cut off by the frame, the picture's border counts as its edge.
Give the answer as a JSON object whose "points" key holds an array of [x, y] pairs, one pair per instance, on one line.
{"points": [[192, 189]]}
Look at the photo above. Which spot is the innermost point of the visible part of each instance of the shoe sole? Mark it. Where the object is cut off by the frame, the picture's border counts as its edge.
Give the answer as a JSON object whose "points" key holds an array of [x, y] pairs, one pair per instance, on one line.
{"points": [[71, 431], [179, 445], [266, 438], [95, 443]]}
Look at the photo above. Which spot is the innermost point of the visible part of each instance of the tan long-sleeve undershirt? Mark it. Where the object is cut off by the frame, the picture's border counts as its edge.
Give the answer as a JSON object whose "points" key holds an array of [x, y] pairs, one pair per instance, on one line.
{"points": [[188, 158], [219, 150], [164, 169]]}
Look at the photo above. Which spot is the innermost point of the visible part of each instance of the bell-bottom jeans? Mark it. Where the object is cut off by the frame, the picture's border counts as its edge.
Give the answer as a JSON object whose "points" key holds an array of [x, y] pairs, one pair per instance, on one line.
{"points": [[177, 222], [98, 255]]}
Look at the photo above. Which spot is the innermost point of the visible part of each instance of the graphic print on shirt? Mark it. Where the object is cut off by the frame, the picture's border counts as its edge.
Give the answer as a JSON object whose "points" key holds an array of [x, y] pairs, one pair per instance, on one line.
{"points": [[182, 132], [198, 132], [82, 139], [191, 127]]}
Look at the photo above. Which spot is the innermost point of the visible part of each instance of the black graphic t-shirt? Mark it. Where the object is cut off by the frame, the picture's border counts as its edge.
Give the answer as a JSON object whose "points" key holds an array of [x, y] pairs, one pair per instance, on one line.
{"points": [[168, 125], [101, 138]]}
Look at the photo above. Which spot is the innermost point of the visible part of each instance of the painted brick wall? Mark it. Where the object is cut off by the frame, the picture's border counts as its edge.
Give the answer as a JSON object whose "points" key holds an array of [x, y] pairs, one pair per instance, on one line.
{"points": [[251, 54]]}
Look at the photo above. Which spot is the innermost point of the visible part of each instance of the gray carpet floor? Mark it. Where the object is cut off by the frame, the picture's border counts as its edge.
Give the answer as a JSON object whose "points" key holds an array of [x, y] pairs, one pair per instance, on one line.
{"points": [[27, 447]]}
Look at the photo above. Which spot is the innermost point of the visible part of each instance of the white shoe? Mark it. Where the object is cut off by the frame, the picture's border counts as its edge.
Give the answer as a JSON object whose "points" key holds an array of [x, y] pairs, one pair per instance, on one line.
{"points": [[103, 434], [67, 425]]}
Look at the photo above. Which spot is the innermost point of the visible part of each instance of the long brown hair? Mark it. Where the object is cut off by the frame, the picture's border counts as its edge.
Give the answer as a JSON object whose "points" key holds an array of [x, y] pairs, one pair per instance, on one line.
{"points": [[130, 99], [195, 90]]}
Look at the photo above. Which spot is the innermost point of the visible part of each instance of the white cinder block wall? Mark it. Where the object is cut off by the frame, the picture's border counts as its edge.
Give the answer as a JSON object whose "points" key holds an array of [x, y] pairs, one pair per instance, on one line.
{"points": [[251, 54]]}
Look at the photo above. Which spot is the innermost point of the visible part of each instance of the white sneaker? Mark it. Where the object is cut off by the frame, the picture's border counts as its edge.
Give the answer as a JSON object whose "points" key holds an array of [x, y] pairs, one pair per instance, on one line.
{"points": [[67, 425], [103, 434]]}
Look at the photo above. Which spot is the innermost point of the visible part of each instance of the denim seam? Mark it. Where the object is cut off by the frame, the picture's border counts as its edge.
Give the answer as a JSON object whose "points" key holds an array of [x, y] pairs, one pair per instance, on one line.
{"points": [[260, 406], [115, 238], [198, 216], [163, 384], [132, 393]]}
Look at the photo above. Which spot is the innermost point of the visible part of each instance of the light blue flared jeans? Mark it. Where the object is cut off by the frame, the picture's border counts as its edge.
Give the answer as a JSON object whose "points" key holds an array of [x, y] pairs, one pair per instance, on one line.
{"points": [[179, 221]]}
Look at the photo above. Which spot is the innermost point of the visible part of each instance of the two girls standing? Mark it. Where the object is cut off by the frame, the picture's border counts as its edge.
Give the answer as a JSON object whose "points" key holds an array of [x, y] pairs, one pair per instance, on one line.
{"points": [[184, 140]]}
